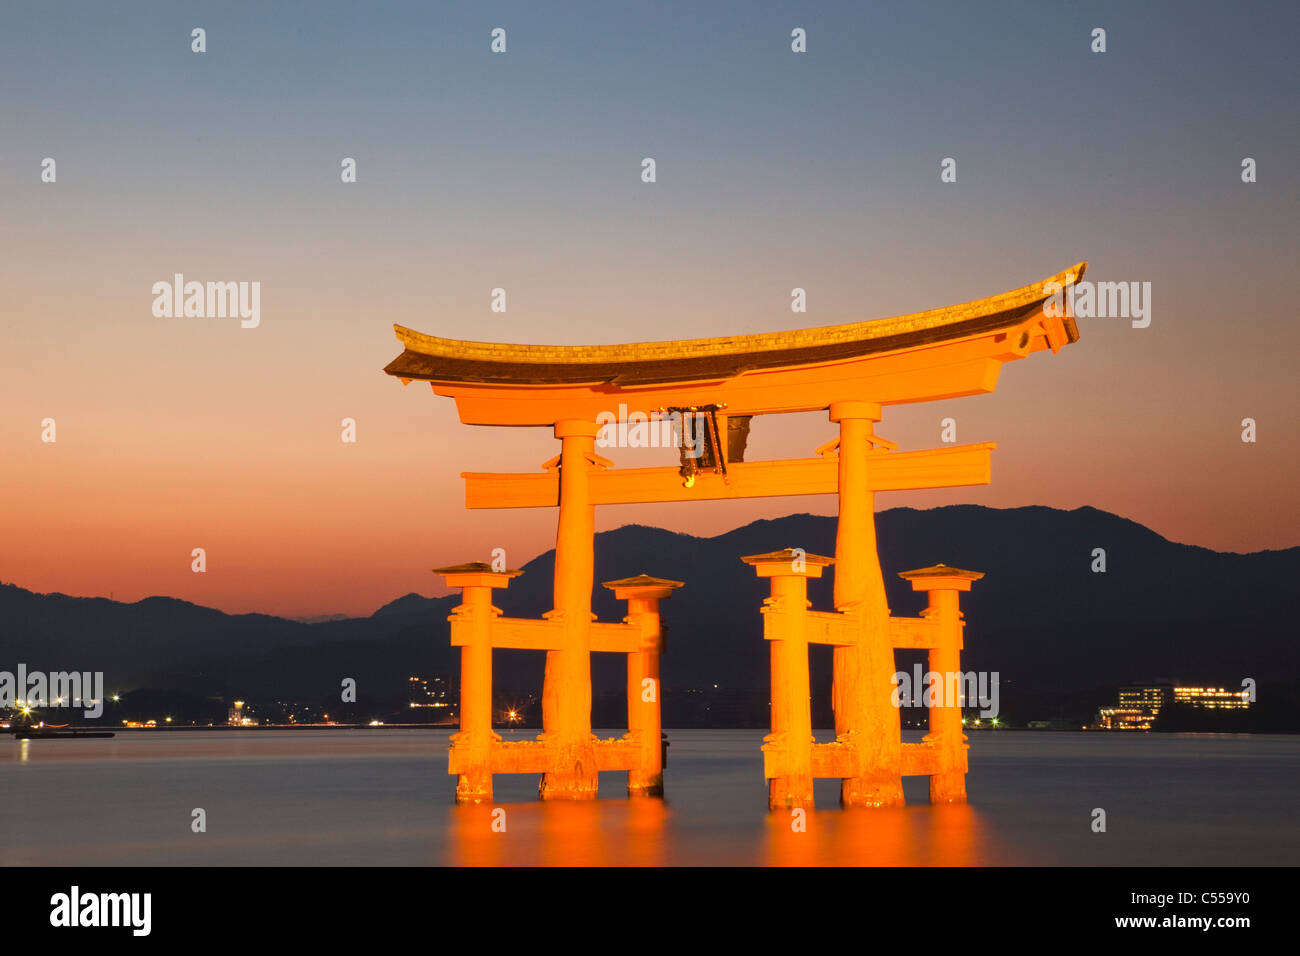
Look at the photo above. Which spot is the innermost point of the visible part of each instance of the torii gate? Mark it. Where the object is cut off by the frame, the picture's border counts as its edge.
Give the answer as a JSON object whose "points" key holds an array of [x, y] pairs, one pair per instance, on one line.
{"points": [[852, 371]]}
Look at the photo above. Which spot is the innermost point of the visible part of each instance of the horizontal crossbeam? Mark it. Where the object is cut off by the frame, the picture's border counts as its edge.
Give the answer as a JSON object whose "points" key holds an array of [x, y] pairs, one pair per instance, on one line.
{"points": [[525, 634], [917, 633], [835, 760], [886, 471], [534, 756], [841, 630]]}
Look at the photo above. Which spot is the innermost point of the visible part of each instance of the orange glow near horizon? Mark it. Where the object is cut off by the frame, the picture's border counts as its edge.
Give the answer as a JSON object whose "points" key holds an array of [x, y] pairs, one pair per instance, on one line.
{"points": [[297, 523], [310, 532]]}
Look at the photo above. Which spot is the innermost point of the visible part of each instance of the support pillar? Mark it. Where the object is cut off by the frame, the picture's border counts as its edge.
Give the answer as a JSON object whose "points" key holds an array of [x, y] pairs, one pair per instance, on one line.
{"points": [[787, 750], [470, 757], [866, 720], [566, 695], [644, 716], [948, 784]]}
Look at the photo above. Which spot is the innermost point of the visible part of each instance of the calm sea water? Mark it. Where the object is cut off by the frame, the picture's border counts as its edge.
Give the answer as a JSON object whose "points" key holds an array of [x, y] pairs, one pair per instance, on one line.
{"points": [[383, 797]]}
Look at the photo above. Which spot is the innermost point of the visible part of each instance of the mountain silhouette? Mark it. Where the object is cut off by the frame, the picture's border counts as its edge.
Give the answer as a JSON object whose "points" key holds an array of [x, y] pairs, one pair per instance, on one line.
{"points": [[1041, 617]]}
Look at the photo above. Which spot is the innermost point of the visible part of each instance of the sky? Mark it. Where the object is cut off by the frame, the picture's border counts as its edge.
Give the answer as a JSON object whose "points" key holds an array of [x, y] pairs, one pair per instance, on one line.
{"points": [[522, 170]]}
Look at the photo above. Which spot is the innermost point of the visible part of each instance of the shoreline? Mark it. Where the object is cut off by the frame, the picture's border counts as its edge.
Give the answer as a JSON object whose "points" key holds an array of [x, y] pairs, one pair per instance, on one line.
{"points": [[454, 728]]}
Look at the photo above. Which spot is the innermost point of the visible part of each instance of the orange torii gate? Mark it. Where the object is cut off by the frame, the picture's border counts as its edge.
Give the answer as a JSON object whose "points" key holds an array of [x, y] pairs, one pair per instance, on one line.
{"points": [[852, 371]]}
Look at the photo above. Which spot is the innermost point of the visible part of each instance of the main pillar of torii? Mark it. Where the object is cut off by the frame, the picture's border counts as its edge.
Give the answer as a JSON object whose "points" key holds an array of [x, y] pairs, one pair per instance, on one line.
{"points": [[566, 692], [852, 371], [865, 718]]}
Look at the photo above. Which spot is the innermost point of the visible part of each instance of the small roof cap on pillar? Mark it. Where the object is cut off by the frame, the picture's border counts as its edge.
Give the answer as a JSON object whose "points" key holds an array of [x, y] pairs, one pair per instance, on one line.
{"points": [[476, 573], [940, 577], [810, 564], [642, 585], [643, 581]]}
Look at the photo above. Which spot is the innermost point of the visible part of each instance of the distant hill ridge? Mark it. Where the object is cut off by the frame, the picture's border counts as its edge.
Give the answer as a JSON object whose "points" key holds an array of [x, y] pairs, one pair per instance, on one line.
{"points": [[1039, 616]]}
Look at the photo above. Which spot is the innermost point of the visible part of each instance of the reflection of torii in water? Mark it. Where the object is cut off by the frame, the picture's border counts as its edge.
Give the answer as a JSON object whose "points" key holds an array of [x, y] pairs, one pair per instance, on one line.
{"points": [[853, 372]]}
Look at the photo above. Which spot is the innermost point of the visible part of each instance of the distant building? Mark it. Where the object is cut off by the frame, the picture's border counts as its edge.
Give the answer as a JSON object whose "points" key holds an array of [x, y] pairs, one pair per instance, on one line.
{"points": [[1145, 697], [429, 692], [1138, 705], [1124, 718], [1212, 698], [237, 716]]}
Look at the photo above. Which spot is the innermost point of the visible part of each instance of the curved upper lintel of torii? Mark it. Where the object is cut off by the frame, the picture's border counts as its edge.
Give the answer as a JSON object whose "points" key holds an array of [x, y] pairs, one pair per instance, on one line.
{"points": [[942, 353]]}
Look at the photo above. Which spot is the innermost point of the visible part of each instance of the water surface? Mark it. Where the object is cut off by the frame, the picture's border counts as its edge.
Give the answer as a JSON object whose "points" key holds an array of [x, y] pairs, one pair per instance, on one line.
{"points": [[383, 797]]}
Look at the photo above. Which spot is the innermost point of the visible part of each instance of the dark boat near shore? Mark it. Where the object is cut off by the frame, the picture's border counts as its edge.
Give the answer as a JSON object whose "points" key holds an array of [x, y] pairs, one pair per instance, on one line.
{"points": [[28, 731]]}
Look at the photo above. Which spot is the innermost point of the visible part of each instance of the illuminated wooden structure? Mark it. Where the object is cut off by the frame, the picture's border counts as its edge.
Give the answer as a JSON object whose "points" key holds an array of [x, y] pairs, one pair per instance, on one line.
{"points": [[853, 371], [863, 692], [567, 755]]}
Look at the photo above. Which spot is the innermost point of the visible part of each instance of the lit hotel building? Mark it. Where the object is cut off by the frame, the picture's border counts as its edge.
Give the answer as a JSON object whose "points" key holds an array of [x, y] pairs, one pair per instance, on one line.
{"points": [[1124, 718], [1138, 705], [1145, 697], [1212, 698]]}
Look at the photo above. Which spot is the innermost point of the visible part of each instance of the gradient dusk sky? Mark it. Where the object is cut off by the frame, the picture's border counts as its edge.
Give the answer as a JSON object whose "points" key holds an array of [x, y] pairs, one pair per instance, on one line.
{"points": [[522, 171]]}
